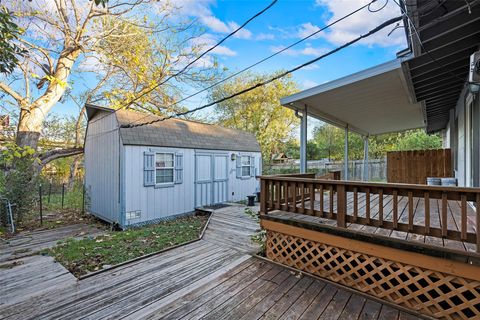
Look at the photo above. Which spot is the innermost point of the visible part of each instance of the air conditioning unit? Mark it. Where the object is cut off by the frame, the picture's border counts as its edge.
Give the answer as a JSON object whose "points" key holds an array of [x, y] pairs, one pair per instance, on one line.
{"points": [[474, 75]]}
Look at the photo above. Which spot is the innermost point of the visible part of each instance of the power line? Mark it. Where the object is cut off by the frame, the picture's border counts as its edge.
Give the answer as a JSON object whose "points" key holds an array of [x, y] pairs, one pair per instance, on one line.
{"points": [[260, 84], [204, 53], [271, 56], [415, 31]]}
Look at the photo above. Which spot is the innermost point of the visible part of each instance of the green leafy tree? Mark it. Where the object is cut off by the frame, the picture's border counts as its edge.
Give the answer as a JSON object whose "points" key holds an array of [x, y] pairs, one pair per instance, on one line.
{"points": [[9, 51], [328, 143], [258, 111], [418, 140]]}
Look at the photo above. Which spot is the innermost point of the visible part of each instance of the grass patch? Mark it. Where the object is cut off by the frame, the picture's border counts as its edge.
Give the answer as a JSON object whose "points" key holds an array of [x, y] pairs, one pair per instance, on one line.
{"points": [[87, 255], [72, 199]]}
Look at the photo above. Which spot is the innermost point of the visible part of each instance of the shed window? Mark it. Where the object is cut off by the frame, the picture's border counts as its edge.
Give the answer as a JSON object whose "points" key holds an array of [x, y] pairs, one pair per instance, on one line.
{"points": [[164, 168], [246, 166]]}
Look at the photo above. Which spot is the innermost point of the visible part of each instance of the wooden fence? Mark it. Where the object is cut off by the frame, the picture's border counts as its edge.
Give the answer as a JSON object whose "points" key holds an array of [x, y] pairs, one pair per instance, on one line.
{"points": [[377, 168], [328, 199], [415, 166]]}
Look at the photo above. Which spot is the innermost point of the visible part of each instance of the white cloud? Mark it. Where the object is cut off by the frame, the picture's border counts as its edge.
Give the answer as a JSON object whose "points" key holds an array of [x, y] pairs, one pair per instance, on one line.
{"points": [[208, 40], [202, 11], [311, 67], [359, 23], [307, 84], [311, 51], [307, 51], [307, 29], [265, 36]]}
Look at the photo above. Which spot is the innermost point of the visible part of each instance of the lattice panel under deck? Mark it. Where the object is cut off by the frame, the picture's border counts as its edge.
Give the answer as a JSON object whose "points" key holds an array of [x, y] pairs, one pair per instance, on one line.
{"points": [[426, 291]]}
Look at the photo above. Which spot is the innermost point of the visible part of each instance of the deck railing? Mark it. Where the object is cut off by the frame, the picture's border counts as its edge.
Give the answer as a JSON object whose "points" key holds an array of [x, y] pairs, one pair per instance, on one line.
{"points": [[301, 194]]}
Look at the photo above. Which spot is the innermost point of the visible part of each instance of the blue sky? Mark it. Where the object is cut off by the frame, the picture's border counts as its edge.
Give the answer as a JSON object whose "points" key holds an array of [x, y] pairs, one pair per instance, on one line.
{"points": [[286, 22]]}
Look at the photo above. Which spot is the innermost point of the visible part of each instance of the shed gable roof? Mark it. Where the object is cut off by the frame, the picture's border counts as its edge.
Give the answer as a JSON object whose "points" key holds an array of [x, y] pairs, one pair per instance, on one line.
{"points": [[182, 134]]}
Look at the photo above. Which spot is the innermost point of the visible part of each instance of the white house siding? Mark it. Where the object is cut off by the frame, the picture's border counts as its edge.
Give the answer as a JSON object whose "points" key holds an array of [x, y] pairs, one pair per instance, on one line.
{"points": [[152, 202], [102, 163], [157, 203], [458, 141]]}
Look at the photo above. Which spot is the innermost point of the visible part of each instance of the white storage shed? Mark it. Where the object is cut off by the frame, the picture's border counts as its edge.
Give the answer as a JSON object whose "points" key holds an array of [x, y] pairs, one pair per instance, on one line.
{"points": [[144, 174]]}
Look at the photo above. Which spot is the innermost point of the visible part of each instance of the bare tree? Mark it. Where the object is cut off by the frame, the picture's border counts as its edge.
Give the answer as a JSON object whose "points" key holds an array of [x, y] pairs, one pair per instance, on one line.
{"points": [[127, 47]]}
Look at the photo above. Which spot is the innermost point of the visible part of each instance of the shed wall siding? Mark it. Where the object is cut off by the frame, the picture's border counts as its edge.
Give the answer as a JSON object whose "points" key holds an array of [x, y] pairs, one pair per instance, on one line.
{"points": [[102, 167], [241, 188], [156, 203]]}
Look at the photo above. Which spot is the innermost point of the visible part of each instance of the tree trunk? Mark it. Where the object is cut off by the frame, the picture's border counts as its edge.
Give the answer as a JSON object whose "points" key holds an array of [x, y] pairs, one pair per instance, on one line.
{"points": [[29, 127], [73, 172], [32, 117]]}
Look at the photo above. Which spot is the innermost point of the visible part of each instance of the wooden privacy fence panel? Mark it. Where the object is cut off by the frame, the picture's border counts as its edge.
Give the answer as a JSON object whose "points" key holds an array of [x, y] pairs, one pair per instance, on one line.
{"points": [[415, 166], [339, 200]]}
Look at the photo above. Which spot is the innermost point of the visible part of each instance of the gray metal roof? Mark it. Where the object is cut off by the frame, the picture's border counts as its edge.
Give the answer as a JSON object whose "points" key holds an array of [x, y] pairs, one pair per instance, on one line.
{"points": [[449, 33], [181, 133]]}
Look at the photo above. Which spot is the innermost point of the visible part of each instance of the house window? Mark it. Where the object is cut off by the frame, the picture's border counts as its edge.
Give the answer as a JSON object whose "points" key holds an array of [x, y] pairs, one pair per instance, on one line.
{"points": [[164, 168], [246, 166]]}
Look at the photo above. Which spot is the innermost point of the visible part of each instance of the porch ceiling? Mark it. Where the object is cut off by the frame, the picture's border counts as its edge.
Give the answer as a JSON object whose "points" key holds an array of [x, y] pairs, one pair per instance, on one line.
{"points": [[370, 102], [449, 32]]}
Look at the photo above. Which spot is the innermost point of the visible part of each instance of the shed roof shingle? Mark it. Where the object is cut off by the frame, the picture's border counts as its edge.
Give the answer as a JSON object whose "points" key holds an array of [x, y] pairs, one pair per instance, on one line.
{"points": [[182, 133]]}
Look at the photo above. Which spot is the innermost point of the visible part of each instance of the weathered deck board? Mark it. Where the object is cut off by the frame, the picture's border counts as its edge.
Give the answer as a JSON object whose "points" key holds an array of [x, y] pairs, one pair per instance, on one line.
{"points": [[453, 217], [215, 278], [27, 243]]}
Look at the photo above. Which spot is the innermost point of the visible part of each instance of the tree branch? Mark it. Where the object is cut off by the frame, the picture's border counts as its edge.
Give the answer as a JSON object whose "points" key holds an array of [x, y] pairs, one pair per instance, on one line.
{"points": [[8, 90], [57, 154]]}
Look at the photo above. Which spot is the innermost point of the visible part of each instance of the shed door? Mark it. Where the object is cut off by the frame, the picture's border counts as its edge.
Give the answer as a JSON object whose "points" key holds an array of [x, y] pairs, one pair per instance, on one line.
{"points": [[211, 177]]}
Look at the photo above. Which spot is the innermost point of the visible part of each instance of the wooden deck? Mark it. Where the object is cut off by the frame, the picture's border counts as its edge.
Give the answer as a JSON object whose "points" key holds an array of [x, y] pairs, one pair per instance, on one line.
{"points": [[27, 243], [214, 278], [454, 216]]}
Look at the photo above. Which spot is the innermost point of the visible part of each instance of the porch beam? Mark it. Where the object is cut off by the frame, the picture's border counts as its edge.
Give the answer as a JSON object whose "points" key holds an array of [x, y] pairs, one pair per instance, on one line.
{"points": [[345, 155], [365, 159], [303, 142]]}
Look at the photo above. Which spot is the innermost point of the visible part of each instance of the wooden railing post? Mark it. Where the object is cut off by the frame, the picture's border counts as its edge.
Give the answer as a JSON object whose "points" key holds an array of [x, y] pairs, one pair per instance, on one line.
{"points": [[341, 205], [477, 207], [263, 196], [297, 195]]}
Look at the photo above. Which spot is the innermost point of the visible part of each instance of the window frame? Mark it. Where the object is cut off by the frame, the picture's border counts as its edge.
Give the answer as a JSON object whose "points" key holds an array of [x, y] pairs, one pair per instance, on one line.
{"points": [[168, 183], [249, 166]]}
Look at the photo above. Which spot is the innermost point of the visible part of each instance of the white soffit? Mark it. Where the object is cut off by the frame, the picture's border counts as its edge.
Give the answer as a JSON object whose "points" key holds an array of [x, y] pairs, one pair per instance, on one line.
{"points": [[371, 102]]}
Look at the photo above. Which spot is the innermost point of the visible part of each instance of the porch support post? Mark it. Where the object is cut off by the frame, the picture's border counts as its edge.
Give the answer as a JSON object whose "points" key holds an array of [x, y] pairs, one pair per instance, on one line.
{"points": [[365, 159], [303, 142], [345, 156]]}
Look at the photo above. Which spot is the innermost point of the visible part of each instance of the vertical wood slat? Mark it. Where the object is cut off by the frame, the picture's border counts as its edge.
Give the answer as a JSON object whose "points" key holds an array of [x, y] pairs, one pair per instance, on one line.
{"points": [[410, 210], [278, 194], [285, 191], [444, 215], [380, 206], [355, 204], [477, 207], [294, 197], [464, 217], [367, 205], [321, 200], [341, 206], [426, 198], [263, 195], [330, 212], [312, 198], [272, 194], [395, 209], [302, 196]]}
